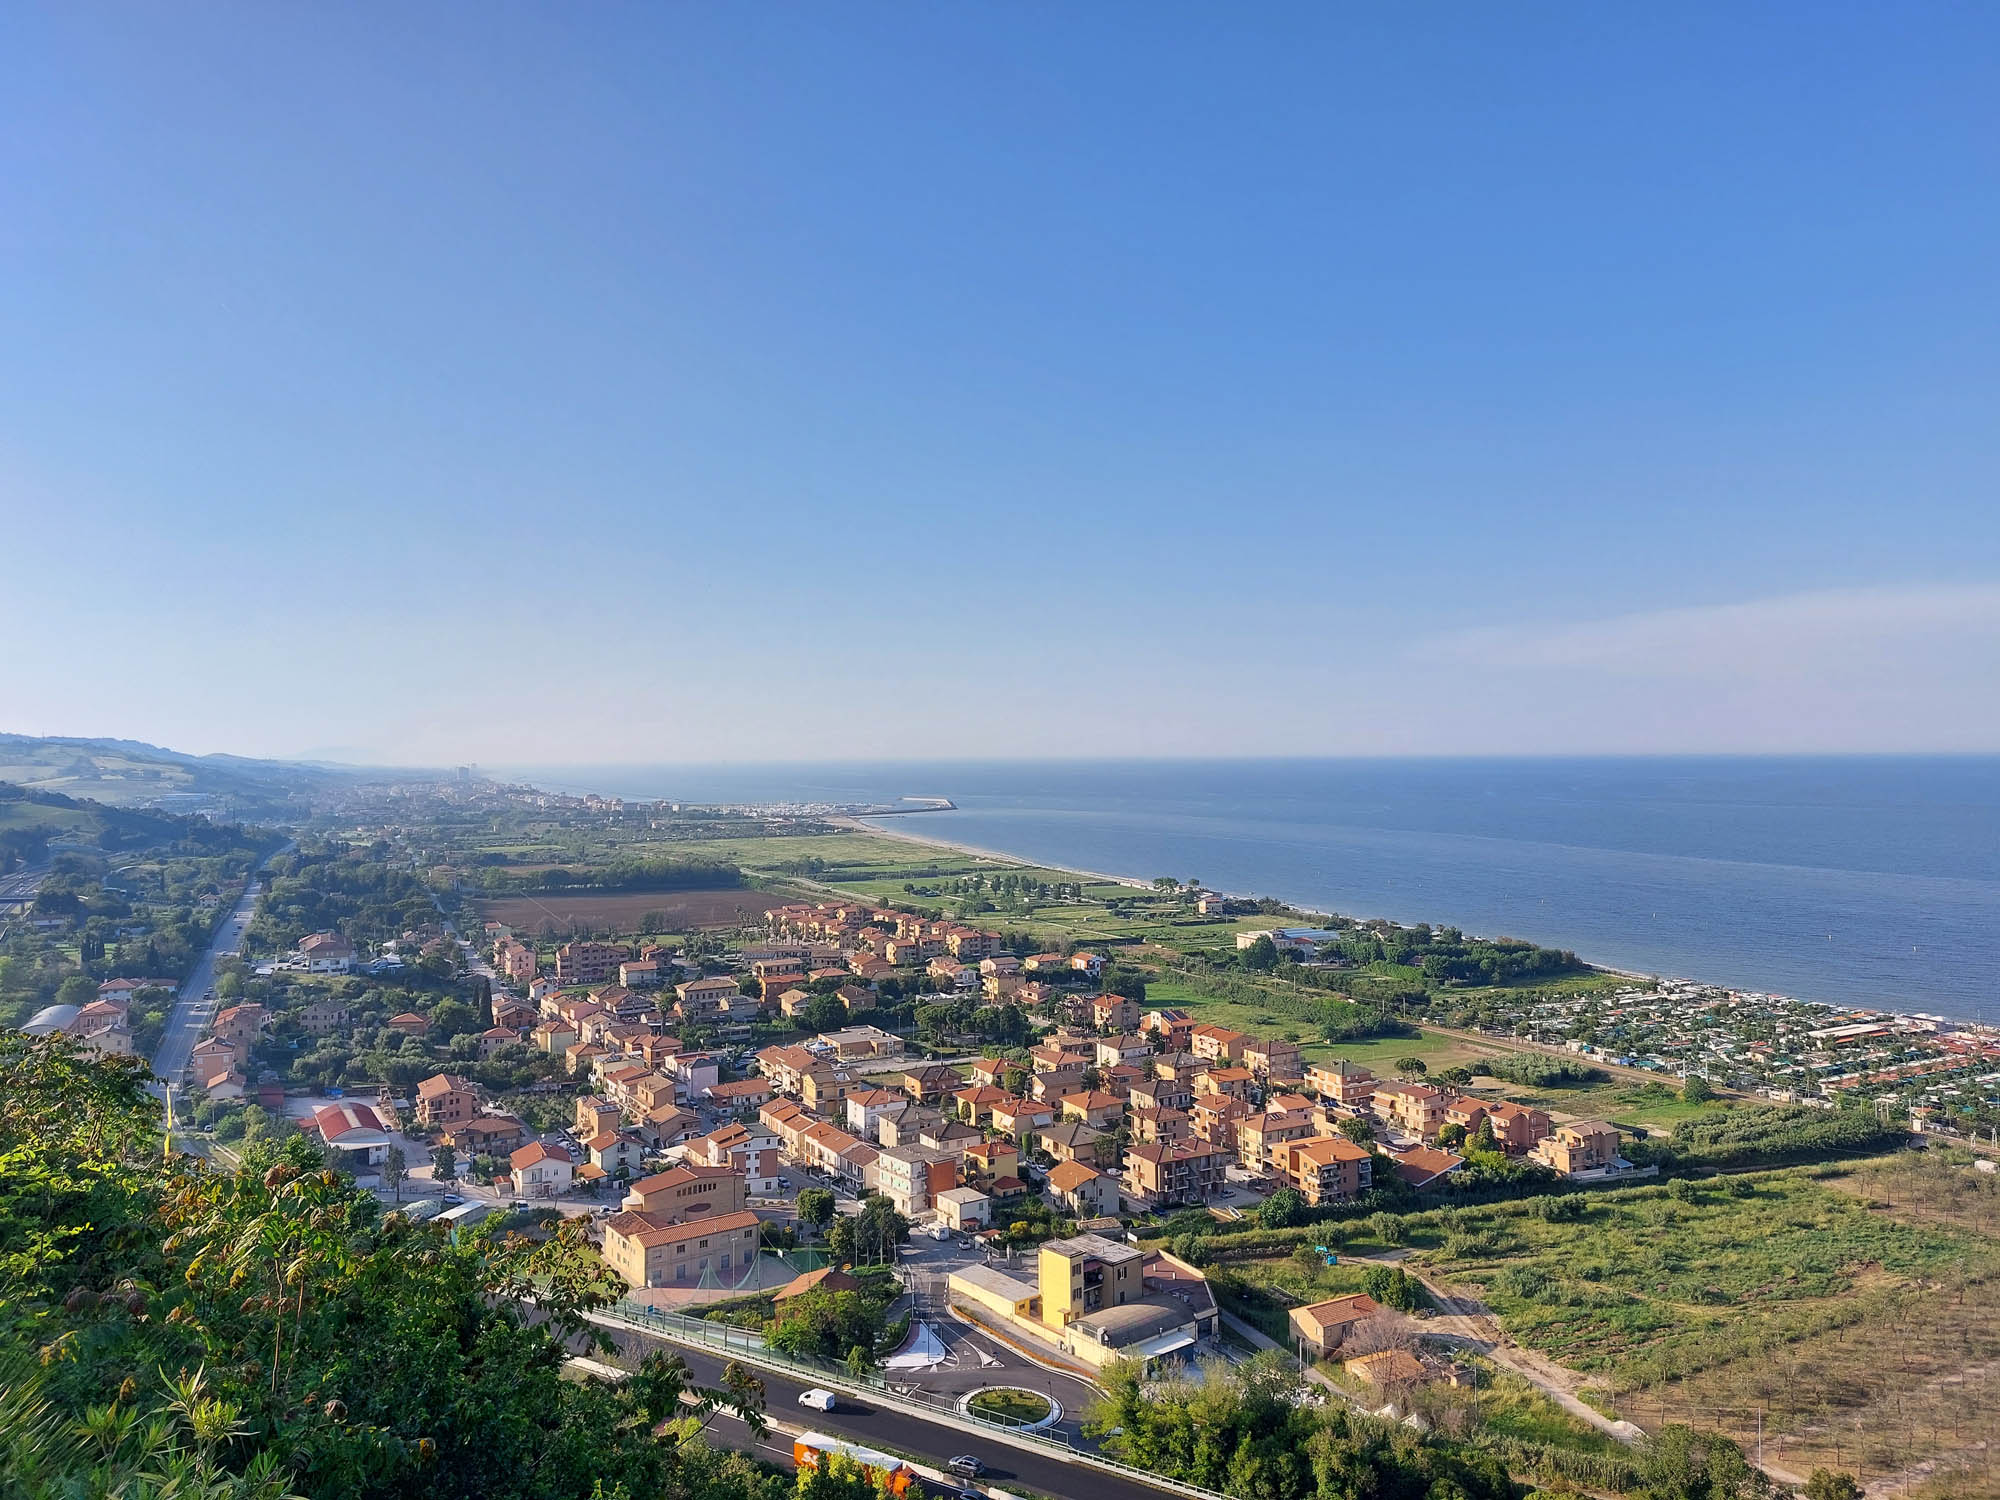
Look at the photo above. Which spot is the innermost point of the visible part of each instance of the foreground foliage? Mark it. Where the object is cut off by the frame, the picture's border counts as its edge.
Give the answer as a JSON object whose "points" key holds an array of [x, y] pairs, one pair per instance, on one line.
{"points": [[167, 1329]]}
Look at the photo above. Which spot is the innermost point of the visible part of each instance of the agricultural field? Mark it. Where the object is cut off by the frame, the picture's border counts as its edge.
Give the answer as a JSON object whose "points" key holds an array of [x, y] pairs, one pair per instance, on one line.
{"points": [[560, 914], [1853, 1311]]}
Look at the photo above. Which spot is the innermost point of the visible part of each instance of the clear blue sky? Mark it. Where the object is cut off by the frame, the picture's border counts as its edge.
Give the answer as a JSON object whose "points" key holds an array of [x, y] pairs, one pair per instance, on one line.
{"points": [[607, 383]]}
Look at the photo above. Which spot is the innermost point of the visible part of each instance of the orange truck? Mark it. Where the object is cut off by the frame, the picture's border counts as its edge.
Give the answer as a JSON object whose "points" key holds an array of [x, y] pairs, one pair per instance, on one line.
{"points": [[881, 1468]]}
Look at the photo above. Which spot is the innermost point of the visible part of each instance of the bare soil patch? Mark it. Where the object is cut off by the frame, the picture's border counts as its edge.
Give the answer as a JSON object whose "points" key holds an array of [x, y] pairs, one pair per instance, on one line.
{"points": [[565, 913]]}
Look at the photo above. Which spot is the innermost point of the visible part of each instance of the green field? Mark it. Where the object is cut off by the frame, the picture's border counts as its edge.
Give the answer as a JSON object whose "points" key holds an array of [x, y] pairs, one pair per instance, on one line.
{"points": [[1853, 1310]]}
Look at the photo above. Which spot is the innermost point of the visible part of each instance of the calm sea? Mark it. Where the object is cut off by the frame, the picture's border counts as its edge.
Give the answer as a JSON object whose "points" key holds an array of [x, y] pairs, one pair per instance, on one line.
{"points": [[1856, 881]]}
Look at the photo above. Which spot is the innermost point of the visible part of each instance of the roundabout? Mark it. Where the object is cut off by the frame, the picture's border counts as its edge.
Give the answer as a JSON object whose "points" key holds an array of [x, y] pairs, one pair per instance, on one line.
{"points": [[1013, 1406]]}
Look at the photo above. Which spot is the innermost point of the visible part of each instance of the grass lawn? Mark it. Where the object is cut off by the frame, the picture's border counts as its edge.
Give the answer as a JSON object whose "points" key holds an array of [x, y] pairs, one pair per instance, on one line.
{"points": [[1020, 1407]]}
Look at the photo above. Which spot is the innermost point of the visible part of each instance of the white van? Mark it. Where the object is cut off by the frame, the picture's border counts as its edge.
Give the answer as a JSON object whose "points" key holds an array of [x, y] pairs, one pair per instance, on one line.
{"points": [[817, 1399]]}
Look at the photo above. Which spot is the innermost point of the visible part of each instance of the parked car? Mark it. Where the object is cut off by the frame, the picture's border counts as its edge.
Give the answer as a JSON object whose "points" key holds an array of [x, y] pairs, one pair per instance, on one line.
{"points": [[967, 1465], [817, 1398]]}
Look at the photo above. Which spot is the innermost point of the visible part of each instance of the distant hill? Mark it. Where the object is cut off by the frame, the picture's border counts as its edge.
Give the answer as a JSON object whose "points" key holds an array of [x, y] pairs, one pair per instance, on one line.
{"points": [[35, 824], [130, 773]]}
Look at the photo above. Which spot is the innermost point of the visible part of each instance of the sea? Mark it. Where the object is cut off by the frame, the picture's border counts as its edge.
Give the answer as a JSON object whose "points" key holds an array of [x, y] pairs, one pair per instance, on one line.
{"points": [[1860, 882]]}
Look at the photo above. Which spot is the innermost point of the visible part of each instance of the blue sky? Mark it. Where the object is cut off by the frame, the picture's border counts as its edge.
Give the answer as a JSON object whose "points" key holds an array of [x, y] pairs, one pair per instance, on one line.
{"points": [[622, 383]]}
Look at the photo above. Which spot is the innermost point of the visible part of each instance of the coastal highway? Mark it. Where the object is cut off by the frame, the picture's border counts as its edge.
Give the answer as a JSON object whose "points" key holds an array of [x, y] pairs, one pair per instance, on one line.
{"points": [[934, 1441]]}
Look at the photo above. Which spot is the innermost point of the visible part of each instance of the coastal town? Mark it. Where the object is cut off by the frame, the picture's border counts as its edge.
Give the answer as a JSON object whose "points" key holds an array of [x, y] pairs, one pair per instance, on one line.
{"points": [[985, 1132]]}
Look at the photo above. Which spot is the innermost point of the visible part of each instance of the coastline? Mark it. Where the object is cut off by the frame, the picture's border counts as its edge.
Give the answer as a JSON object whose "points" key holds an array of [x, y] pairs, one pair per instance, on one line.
{"points": [[859, 825]]}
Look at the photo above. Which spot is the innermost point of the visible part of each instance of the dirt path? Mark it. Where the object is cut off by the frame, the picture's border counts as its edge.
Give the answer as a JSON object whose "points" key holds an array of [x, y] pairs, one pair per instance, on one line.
{"points": [[1471, 1321]]}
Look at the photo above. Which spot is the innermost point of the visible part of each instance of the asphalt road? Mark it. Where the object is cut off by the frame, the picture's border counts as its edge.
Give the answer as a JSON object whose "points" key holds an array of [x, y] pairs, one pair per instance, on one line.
{"points": [[191, 1012], [934, 1441]]}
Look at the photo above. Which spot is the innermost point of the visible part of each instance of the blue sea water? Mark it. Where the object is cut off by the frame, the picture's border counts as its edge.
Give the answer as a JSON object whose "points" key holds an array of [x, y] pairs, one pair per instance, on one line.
{"points": [[1858, 881]]}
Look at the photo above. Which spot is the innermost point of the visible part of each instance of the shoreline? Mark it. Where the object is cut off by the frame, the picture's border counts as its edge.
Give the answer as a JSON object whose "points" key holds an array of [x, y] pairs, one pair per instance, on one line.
{"points": [[859, 825]]}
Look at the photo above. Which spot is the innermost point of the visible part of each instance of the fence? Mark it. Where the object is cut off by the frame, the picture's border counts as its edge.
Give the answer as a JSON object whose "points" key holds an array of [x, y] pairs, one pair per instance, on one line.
{"points": [[749, 1348]]}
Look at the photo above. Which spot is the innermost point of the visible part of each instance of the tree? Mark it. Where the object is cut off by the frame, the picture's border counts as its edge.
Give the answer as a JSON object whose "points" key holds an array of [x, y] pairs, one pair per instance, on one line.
{"points": [[1678, 1463], [394, 1168], [240, 1334], [1283, 1209], [1357, 1130], [1261, 954], [1392, 1286], [826, 1325], [841, 1241], [444, 1164], [1451, 1134], [837, 1477], [229, 986], [1696, 1089], [76, 990], [825, 1013], [1832, 1484], [1411, 1067], [816, 1206]]}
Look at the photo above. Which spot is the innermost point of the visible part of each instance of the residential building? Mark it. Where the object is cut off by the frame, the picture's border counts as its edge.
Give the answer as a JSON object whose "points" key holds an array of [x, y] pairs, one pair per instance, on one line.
{"points": [[649, 1252], [1328, 1168], [1085, 1274], [1151, 1125], [321, 1017], [704, 997], [984, 1161], [1581, 1146], [1018, 1119], [910, 1177], [689, 1192], [445, 1100], [1420, 1166], [1274, 1057], [1234, 1082], [1322, 1327], [541, 1171], [488, 1135], [1413, 1107], [1084, 1191], [741, 1096], [1177, 1172], [589, 963], [963, 1208], [1346, 1083], [860, 1042], [1095, 1108], [326, 953], [1071, 1140], [1114, 1013], [1216, 1043], [931, 1083], [1261, 1138]]}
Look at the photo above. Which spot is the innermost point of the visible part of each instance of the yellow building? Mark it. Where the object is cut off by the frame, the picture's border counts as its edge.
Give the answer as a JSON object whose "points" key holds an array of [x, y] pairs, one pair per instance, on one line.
{"points": [[1086, 1274]]}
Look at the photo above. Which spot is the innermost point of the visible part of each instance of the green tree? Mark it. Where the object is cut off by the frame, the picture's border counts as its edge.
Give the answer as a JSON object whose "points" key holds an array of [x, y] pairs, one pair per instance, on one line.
{"points": [[229, 986], [837, 1477], [1832, 1484], [1451, 1134], [76, 990], [1261, 954], [1411, 1067], [444, 1164], [394, 1168], [1357, 1130], [1392, 1286], [1696, 1089], [816, 1207], [1283, 1209]]}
